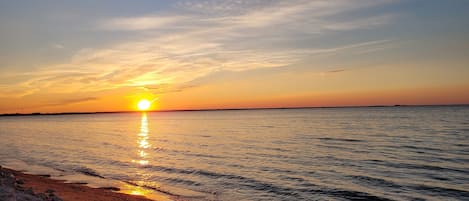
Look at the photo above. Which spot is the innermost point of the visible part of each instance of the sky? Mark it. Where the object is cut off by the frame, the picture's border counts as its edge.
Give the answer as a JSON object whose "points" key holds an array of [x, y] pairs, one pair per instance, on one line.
{"points": [[88, 56]]}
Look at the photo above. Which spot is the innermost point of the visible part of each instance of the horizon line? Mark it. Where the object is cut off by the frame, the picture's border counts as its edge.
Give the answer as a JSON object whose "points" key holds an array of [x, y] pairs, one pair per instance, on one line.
{"points": [[226, 109]]}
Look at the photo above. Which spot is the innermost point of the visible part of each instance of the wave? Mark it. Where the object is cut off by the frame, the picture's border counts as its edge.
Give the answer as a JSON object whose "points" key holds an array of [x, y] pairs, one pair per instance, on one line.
{"points": [[340, 139], [238, 181], [424, 189], [374, 181], [442, 191], [167, 192], [182, 181], [417, 166], [419, 148], [151, 187], [88, 171]]}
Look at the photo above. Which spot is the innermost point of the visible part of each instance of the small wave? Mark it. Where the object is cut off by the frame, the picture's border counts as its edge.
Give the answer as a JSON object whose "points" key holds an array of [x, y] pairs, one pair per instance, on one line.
{"points": [[449, 192], [429, 167], [88, 171], [289, 178], [417, 166], [461, 145], [188, 153], [439, 178], [152, 188], [167, 192], [182, 181], [270, 155], [339, 139], [354, 195], [340, 193], [419, 148], [342, 148], [107, 144], [374, 181]]}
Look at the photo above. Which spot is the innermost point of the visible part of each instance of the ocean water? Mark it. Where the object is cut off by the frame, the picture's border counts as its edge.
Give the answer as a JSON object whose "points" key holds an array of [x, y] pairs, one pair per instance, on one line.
{"points": [[368, 153]]}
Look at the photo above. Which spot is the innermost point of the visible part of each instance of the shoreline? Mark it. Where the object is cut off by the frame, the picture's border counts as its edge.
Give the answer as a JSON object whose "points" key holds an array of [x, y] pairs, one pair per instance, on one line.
{"points": [[16, 185]]}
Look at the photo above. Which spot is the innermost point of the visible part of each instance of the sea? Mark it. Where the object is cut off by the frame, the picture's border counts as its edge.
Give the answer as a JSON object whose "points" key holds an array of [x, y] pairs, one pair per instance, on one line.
{"points": [[351, 153]]}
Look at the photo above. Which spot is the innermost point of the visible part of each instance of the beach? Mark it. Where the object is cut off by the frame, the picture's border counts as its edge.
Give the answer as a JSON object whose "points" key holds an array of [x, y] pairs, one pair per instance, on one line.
{"points": [[15, 185]]}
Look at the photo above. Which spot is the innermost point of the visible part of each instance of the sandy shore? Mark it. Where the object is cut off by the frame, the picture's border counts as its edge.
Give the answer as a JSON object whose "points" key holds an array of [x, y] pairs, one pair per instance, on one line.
{"points": [[15, 185]]}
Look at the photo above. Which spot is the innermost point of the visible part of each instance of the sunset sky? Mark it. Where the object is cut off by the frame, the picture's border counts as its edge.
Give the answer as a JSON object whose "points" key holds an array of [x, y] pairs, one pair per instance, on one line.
{"points": [[78, 56]]}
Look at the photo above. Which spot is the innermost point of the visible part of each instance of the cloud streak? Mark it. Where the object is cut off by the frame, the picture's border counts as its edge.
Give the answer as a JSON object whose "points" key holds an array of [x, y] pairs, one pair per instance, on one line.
{"points": [[139, 23]]}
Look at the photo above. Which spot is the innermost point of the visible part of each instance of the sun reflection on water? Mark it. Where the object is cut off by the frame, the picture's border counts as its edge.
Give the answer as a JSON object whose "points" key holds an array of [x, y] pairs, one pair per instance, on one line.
{"points": [[141, 191], [142, 141], [142, 178], [137, 191]]}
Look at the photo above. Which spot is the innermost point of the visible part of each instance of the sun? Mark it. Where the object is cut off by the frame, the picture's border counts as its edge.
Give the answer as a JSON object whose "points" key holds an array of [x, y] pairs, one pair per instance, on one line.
{"points": [[144, 104]]}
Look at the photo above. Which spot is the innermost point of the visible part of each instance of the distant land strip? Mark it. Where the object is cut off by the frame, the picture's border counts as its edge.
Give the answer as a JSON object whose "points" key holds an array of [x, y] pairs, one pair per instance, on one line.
{"points": [[228, 109]]}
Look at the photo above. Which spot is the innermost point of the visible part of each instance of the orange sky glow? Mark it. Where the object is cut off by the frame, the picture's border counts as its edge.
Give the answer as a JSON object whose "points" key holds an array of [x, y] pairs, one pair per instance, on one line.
{"points": [[250, 54]]}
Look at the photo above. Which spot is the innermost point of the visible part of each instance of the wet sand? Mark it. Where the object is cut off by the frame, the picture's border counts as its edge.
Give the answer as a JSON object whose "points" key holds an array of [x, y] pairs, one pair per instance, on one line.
{"points": [[16, 185]]}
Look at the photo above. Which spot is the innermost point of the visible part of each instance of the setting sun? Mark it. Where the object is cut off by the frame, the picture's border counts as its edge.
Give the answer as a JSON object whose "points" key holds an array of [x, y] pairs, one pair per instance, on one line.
{"points": [[144, 104]]}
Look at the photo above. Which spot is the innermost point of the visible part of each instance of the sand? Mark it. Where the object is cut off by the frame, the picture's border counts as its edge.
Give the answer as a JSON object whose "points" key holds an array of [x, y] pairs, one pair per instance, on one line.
{"points": [[15, 185]]}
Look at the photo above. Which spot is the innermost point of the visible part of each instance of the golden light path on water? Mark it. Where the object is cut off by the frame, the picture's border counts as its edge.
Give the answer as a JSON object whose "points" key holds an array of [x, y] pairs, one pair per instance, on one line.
{"points": [[143, 178], [143, 144], [142, 159]]}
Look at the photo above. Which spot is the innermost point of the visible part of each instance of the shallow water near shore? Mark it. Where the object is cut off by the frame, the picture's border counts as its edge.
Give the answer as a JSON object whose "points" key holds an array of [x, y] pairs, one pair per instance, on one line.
{"points": [[381, 153]]}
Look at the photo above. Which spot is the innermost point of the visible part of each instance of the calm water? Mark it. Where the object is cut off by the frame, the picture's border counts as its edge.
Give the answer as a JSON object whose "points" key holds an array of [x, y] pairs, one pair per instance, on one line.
{"points": [[396, 153]]}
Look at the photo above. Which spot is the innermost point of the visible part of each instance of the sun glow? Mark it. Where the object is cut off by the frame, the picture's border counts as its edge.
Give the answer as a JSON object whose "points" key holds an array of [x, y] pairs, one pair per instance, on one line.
{"points": [[144, 104]]}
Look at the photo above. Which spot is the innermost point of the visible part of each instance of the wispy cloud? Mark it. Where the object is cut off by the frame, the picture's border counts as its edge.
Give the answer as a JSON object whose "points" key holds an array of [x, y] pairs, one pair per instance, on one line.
{"points": [[336, 71], [58, 46], [139, 23], [367, 23], [168, 88]]}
